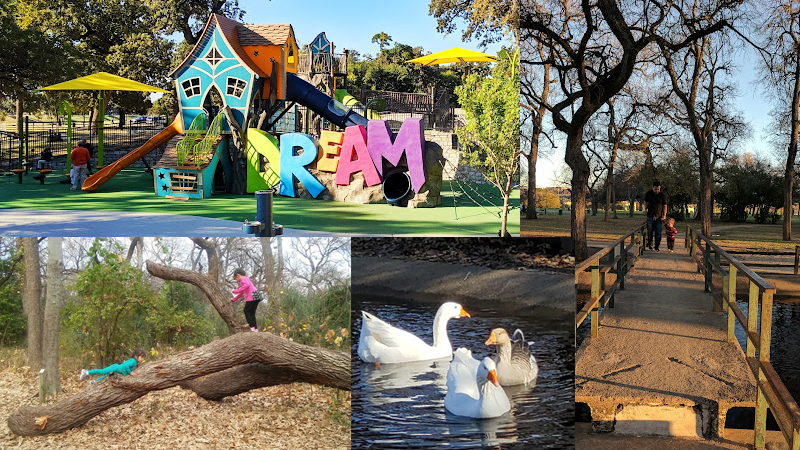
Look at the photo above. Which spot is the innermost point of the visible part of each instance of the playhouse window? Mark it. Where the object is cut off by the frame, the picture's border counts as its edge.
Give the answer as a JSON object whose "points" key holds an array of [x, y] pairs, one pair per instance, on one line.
{"points": [[191, 87], [213, 57], [235, 87]]}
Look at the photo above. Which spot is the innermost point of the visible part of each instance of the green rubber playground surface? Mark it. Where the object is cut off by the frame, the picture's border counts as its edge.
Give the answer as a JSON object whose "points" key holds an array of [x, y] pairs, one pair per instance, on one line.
{"points": [[132, 191]]}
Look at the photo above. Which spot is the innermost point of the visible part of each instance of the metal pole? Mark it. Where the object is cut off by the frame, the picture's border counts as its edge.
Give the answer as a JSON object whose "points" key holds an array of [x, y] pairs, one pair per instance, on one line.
{"points": [[101, 122], [264, 212]]}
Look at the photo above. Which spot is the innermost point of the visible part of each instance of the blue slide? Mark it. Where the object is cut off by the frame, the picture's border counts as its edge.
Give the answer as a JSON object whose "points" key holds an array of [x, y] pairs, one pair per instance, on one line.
{"points": [[304, 93]]}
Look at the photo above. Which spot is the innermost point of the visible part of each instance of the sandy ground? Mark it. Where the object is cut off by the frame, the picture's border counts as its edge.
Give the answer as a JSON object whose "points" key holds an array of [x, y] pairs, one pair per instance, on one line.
{"points": [[296, 416]]}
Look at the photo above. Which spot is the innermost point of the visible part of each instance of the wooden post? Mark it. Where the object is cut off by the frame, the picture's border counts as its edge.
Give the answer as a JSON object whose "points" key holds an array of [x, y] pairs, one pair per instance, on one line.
{"points": [[717, 302], [707, 266], [623, 264], [761, 413], [612, 257], [595, 296], [730, 302], [42, 389], [796, 258], [765, 334], [752, 319]]}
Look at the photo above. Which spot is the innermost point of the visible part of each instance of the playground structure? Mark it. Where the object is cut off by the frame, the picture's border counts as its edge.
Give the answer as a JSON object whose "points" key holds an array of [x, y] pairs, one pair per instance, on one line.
{"points": [[288, 119]]}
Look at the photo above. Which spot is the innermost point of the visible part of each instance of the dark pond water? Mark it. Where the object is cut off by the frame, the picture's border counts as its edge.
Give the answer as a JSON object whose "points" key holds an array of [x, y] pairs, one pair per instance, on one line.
{"points": [[402, 405], [785, 344]]}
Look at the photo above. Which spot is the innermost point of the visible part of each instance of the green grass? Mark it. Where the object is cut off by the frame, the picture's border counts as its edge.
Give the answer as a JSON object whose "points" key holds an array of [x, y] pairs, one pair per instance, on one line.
{"points": [[132, 191], [729, 234]]}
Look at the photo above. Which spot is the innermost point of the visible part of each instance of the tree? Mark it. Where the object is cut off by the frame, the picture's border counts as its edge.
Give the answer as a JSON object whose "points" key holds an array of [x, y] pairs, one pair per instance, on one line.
{"points": [[488, 21], [55, 269], [779, 27], [12, 318], [319, 262], [208, 284], [697, 77], [490, 137], [32, 301], [547, 199], [110, 294], [244, 362], [188, 17], [593, 61], [382, 39], [535, 92]]}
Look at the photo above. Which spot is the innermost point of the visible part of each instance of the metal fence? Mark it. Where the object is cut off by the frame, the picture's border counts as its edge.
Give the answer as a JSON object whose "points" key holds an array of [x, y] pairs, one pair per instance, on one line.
{"points": [[435, 108], [36, 136]]}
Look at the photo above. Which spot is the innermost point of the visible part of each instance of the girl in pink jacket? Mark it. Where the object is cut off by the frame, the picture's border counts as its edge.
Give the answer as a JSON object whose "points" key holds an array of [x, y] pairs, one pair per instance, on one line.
{"points": [[246, 290]]}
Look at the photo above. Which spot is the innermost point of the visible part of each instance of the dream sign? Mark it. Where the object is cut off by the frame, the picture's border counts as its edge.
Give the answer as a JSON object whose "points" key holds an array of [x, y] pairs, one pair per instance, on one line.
{"points": [[357, 149]]}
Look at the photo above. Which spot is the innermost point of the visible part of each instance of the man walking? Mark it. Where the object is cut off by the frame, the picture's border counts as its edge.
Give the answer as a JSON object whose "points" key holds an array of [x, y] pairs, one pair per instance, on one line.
{"points": [[655, 208]]}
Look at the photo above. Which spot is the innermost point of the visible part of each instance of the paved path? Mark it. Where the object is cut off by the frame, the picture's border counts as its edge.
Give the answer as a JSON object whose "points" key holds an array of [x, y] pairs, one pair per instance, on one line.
{"points": [[43, 223], [661, 364]]}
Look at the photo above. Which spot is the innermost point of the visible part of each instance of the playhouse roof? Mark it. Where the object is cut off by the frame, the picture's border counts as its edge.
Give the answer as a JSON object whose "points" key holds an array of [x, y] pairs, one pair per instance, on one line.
{"points": [[236, 35], [264, 34]]}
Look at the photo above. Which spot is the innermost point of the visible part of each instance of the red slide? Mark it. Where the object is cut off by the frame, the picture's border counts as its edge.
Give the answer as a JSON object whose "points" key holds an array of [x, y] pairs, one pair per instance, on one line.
{"points": [[105, 174]]}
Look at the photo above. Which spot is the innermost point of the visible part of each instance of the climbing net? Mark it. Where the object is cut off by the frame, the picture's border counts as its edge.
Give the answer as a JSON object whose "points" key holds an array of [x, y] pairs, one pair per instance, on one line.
{"points": [[470, 193]]}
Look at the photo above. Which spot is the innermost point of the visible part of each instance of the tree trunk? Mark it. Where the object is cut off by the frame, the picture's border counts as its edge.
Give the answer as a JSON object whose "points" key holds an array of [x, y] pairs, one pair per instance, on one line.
{"points": [[294, 362], [580, 184], [238, 154], [208, 285], [538, 117], [247, 377], [31, 301], [55, 270], [788, 176], [506, 195], [530, 213], [706, 183], [610, 185]]}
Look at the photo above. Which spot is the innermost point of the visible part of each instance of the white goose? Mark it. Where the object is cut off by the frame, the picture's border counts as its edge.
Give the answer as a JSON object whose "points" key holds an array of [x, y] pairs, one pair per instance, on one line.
{"points": [[382, 343], [472, 388], [515, 363]]}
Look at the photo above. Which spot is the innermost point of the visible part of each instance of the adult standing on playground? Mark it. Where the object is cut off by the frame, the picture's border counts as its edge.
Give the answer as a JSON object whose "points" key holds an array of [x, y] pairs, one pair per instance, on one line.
{"points": [[655, 208], [80, 161]]}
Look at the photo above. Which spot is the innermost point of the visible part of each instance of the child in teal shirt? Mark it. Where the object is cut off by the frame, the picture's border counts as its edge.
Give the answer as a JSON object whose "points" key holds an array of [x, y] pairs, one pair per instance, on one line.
{"points": [[125, 368]]}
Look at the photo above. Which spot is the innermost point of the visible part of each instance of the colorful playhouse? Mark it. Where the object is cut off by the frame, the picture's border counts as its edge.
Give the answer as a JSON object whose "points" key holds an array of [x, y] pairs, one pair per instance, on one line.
{"points": [[240, 88]]}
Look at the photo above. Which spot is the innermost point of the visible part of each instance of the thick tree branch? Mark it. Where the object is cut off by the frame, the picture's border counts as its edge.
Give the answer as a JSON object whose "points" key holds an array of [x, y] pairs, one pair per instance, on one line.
{"points": [[293, 362]]}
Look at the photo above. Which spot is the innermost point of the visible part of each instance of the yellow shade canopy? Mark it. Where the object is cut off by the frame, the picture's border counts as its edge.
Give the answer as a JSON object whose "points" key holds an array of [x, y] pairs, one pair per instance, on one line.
{"points": [[453, 55], [102, 81]]}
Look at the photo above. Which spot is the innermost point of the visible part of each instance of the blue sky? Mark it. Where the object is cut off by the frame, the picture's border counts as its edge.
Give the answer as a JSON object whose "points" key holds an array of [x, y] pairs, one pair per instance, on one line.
{"points": [[351, 24], [752, 102]]}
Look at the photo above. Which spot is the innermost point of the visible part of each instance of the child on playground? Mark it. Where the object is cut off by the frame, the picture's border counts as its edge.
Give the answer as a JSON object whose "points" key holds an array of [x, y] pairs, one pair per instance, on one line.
{"points": [[124, 368], [246, 289], [671, 231]]}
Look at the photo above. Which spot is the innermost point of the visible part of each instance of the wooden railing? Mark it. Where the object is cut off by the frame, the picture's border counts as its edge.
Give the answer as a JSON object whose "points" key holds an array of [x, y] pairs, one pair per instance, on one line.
{"points": [[622, 256], [772, 393]]}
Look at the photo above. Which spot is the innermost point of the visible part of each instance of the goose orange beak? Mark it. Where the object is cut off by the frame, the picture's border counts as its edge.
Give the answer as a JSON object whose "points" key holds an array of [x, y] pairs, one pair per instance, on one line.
{"points": [[492, 340], [493, 378], [463, 313]]}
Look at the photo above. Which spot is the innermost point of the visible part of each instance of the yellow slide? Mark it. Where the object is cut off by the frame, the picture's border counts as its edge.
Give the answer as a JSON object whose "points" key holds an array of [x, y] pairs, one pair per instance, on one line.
{"points": [[105, 174]]}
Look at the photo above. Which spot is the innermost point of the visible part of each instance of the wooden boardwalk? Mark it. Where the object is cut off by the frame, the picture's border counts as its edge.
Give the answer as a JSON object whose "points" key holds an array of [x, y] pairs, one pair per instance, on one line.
{"points": [[661, 364]]}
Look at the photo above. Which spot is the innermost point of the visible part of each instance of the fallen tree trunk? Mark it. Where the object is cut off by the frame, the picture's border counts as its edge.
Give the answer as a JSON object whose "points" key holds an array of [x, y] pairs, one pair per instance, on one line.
{"points": [[291, 361], [247, 377]]}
